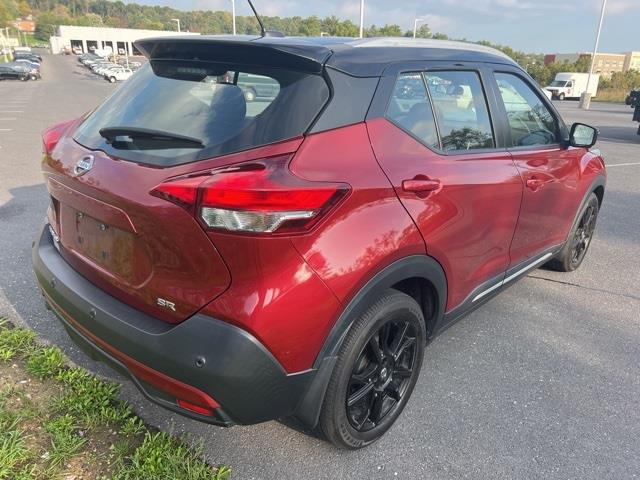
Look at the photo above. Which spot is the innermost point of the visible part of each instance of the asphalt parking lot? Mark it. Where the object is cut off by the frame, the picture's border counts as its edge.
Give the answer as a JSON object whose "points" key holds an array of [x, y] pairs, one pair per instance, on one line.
{"points": [[541, 382]]}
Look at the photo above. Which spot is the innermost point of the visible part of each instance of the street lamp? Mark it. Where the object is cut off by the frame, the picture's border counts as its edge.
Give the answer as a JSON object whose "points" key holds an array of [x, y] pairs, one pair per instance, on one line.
{"points": [[585, 98], [361, 18], [233, 15], [415, 25], [177, 20]]}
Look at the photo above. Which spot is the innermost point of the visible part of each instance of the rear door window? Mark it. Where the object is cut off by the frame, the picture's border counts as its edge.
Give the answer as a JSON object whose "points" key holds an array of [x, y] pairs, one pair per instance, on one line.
{"points": [[227, 108], [461, 110]]}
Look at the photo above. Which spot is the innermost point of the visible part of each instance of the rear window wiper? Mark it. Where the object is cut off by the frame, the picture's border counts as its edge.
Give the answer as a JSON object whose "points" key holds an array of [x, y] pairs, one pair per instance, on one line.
{"points": [[135, 138]]}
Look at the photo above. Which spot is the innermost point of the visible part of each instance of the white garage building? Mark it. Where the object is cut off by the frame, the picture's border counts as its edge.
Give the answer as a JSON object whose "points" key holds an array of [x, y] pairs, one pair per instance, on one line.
{"points": [[119, 40]]}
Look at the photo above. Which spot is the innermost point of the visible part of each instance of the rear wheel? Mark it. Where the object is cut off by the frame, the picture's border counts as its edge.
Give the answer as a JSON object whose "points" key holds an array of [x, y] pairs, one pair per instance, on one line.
{"points": [[561, 96], [574, 251], [377, 369], [33, 77]]}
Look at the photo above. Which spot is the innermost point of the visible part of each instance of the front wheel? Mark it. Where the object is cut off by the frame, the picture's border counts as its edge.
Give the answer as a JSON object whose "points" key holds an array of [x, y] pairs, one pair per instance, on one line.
{"points": [[112, 79], [561, 96], [574, 251], [377, 369]]}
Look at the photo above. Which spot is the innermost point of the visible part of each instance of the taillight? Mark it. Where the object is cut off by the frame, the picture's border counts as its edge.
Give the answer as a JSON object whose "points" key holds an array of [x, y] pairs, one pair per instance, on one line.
{"points": [[52, 135], [257, 197]]}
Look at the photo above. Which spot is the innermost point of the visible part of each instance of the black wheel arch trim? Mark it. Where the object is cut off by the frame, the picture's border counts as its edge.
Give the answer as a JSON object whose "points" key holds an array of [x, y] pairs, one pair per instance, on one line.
{"points": [[414, 266], [600, 181]]}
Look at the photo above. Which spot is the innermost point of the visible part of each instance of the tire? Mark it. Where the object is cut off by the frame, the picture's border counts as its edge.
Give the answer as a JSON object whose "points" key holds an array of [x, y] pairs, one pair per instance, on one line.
{"points": [[112, 79], [561, 97], [368, 390], [33, 77], [24, 79], [574, 251], [250, 95]]}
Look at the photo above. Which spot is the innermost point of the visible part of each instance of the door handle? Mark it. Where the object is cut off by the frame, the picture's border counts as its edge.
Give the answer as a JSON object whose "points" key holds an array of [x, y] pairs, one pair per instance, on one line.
{"points": [[421, 184], [533, 183]]}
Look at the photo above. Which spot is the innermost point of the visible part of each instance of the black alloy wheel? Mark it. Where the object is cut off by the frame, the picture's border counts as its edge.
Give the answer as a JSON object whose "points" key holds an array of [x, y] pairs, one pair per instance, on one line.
{"points": [[377, 367], [381, 375], [583, 234], [579, 239]]}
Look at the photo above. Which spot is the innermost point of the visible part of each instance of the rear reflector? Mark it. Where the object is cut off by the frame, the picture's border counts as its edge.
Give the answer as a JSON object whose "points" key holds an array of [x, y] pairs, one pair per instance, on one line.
{"points": [[259, 197], [195, 408]]}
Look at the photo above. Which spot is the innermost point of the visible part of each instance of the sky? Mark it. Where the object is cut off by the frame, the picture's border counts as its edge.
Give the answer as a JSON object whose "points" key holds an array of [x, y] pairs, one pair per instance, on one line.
{"points": [[541, 26]]}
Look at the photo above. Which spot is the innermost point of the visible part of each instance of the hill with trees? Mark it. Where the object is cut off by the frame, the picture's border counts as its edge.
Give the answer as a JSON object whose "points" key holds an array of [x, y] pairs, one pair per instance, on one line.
{"points": [[48, 14]]}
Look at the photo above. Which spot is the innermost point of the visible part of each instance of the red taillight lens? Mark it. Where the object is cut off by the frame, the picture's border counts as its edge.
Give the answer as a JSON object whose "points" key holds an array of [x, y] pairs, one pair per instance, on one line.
{"points": [[258, 197], [52, 135]]}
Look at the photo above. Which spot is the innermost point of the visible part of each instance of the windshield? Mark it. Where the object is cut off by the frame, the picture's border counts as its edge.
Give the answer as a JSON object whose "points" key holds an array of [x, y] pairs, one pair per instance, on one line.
{"points": [[558, 83], [229, 108]]}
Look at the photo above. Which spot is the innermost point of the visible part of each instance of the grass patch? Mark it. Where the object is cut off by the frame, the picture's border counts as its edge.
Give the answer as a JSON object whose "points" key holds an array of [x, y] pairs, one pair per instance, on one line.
{"points": [[45, 362], [66, 439], [613, 95], [162, 457], [58, 421], [14, 340]]}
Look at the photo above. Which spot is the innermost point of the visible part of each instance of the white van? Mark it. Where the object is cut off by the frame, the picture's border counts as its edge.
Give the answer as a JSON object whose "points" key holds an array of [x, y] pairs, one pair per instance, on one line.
{"points": [[573, 85]]}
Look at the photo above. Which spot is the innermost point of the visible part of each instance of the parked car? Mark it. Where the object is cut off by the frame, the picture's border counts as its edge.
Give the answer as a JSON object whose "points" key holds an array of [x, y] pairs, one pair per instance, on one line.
{"points": [[101, 68], [10, 71], [77, 50], [118, 74], [27, 56], [293, 257], [258, 87], [33, 73], [27, 63]]}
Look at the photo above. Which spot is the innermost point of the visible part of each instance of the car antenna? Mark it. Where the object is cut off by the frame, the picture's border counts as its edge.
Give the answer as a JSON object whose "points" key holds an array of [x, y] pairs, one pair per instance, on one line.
{"points": [[263, 32]]}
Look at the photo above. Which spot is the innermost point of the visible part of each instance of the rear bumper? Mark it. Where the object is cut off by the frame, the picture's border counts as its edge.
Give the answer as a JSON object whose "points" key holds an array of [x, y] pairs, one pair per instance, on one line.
{"points": [[211, 358]]}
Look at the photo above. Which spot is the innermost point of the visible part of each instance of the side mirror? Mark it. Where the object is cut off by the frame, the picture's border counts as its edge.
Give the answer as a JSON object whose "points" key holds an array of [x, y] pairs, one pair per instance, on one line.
{"points": [[582, 135]]}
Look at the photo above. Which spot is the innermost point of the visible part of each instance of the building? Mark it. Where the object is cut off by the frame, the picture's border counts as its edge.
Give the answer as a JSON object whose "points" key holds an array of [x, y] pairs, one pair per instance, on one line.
{"points": [[605, 63], [632, 62], [118, 40]]}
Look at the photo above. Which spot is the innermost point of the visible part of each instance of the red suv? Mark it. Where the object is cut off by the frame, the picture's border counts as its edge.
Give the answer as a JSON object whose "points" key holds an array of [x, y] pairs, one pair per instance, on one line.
{"points": [[293, 255]]}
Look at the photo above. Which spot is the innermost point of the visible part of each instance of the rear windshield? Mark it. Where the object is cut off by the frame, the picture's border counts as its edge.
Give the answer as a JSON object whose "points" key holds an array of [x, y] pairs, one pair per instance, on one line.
{"points": [[227, 108]]}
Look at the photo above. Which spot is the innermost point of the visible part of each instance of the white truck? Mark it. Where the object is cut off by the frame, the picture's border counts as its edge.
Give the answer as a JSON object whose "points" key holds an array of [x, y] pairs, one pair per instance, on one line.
{"points": [[573, 85]]}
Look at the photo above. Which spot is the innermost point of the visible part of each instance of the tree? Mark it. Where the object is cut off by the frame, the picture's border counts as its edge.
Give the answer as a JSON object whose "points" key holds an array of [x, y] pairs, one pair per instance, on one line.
{"points": [[24, 9], [5, 15]]}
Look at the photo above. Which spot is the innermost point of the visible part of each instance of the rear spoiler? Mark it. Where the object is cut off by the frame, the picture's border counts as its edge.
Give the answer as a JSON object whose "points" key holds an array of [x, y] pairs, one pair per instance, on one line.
{"points": [[265, 52]]}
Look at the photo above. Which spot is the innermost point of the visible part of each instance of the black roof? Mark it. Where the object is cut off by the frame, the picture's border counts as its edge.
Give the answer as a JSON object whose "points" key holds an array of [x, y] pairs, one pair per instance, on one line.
{"points": [[366, 57]]}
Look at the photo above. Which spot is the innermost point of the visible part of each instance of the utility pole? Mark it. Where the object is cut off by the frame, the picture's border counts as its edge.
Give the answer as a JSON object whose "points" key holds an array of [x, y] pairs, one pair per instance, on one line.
{"points": [[177, 20], [233, 15], [361, 18], [4, 46], [585, 98], [415, 25]]}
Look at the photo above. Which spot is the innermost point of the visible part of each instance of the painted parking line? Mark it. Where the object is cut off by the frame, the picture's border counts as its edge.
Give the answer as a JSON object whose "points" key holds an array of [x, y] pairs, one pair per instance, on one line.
{"points": [[610, 165], [8, 118], [10, 111], [6, 129]]}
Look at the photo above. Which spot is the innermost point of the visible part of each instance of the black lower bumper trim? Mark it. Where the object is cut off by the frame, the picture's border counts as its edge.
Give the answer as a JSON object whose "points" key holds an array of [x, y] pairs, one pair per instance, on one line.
{"points": [[238, 372]]}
